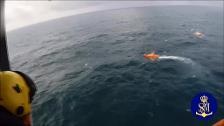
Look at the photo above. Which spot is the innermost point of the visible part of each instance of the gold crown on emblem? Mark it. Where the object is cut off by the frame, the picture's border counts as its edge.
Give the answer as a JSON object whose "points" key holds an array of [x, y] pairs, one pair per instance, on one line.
{"points": [[204, 98]]}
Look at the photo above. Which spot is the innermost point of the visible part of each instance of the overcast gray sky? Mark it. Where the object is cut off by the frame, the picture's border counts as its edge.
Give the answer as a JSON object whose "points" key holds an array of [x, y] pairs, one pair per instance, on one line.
{"points": [[23, 13]]}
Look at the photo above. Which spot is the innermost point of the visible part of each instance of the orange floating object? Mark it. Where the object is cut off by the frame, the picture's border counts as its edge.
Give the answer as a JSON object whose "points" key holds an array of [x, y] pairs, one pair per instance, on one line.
{"points": [[219, 123], [151, 56]]}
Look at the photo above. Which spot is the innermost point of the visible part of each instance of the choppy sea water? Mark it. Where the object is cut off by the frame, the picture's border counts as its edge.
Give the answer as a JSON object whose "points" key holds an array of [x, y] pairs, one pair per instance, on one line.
{"points": [[90, 69]]}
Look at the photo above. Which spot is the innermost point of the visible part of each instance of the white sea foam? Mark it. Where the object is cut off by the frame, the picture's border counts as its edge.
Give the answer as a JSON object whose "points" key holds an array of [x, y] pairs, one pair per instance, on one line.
{"points": [[176, 58]]}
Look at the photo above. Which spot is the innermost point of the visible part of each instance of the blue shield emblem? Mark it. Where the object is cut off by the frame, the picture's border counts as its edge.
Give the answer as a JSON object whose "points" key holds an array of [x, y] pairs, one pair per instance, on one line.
{"points": [[203, 106]]}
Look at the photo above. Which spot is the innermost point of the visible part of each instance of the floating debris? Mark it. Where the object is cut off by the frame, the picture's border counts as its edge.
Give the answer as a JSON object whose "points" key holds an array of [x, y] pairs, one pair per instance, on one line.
{"points": [[199, 34]]}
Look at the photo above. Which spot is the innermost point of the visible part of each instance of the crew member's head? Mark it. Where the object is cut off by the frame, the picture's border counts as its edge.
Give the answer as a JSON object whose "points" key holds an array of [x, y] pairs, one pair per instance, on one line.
{"points": [[16, 94]]}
